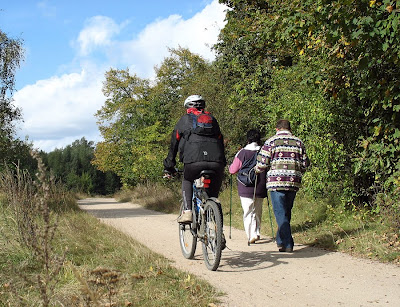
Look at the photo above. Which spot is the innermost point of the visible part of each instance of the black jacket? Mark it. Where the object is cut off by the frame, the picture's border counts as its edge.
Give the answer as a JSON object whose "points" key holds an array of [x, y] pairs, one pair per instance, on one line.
{"points": [[192, 147]]}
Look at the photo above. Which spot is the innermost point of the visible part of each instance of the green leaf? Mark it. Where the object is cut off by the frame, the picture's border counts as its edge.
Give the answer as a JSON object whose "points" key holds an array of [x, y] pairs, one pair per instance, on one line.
{"points": [[385, 46], [396, 133]]}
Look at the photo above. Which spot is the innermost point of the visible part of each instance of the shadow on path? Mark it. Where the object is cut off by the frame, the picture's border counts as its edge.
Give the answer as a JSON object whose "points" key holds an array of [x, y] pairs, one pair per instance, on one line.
{"points": [[259, 260], [95, 208]]}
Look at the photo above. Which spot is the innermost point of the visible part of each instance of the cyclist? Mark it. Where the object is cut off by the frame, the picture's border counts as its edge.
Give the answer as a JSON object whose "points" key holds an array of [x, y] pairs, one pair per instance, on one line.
{"points": [[197, 151]]}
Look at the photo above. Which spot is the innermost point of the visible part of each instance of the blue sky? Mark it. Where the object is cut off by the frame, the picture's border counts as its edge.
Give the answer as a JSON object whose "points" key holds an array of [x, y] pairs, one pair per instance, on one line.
{"points": [[70, 44]]}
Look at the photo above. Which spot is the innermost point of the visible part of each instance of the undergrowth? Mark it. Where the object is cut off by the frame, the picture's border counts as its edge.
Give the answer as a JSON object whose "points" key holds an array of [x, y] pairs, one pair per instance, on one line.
{"points": [[327, 224], [160, 197]]}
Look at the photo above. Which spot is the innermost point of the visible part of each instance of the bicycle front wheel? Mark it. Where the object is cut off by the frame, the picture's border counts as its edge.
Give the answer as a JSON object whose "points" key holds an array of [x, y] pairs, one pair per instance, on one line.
{"points": [[212, 243], [187, 239]]}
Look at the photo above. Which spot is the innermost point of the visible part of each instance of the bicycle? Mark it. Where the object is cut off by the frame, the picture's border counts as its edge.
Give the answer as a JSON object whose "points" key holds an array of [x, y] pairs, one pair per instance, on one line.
{"points": [[206, 225]]}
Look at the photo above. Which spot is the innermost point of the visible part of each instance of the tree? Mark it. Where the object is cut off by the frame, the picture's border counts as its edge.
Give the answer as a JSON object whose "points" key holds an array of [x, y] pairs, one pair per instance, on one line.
{"points": [[125, 112], [350, 50], [11, 53], [137, 118], [73, 166]]}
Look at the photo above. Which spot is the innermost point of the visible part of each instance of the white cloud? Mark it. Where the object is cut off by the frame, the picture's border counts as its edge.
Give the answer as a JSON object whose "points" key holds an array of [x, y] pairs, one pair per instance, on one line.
{"points": [[198, 33], [97, 33], [61, 109]]}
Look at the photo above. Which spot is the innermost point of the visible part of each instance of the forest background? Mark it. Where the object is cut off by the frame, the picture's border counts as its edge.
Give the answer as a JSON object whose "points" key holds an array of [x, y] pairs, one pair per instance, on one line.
{"points": [[330, 67]]}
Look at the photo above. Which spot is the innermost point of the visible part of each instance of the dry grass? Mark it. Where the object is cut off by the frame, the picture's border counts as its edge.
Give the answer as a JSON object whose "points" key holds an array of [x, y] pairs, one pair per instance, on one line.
{"points": [[52, 254], [29, 202], [161, 197]]}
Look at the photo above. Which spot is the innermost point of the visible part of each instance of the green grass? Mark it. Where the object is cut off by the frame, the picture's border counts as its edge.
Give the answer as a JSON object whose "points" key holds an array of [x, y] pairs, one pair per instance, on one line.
{"points": [[326, 224], [101, 263]]}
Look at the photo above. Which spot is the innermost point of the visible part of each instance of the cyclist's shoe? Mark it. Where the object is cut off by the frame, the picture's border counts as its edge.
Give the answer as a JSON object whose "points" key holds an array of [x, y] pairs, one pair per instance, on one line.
{"points": [[223, 243], [185, 217]]}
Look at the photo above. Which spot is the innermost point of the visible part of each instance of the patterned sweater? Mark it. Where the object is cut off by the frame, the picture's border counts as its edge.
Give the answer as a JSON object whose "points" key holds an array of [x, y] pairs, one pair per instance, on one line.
{"points": [[285, 159]]}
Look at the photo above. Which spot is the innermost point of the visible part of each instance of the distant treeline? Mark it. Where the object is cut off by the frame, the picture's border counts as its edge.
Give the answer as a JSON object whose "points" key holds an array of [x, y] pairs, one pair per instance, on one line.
{"points": [[72, 165]]}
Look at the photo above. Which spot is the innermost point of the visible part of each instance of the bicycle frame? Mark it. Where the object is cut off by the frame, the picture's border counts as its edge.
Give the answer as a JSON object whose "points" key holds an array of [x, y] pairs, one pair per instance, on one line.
{"points": [[200, 197], [206, 226]]}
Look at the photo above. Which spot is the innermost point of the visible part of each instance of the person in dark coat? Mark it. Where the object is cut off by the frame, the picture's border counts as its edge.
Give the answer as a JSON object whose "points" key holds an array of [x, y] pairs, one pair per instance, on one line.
{"points": [[205, 153]]}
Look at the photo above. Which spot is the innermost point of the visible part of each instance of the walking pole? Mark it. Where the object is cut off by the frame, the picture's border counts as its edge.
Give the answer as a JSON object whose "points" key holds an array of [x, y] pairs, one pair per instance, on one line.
{"points": [[270, 219], [230, 213]]}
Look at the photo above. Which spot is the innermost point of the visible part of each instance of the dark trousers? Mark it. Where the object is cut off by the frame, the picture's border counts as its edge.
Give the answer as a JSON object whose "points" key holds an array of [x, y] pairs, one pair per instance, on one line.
{"points": [[282, 203], [191, 171]]}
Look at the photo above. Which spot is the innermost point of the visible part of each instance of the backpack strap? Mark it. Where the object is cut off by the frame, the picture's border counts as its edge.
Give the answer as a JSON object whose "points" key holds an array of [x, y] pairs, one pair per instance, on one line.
{"points": [[194, 120]]}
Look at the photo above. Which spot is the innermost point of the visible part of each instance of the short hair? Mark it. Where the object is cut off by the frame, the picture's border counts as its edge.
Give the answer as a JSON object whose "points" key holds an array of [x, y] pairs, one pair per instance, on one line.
{"points": [[283, 124], [253, 135]]}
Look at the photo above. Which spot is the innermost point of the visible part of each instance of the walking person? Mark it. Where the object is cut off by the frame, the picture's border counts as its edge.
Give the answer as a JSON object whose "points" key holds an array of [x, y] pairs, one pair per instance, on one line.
{"points": [[284, 158], [251, 200]]}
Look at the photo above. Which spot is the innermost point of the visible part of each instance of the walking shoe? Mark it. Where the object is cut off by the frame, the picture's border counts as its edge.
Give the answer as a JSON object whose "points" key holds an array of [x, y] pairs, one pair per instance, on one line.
{"points": [[286, 249], [252, 241], [185, 217]]}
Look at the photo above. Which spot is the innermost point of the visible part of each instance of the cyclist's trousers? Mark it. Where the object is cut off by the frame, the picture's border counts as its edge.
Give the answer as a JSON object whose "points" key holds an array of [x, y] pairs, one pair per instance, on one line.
{"points": [[191, 171]]}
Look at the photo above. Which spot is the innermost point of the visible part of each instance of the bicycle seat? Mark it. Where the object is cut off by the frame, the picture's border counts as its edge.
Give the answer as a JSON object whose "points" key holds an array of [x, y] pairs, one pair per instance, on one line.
{"points": [[207, 173]]}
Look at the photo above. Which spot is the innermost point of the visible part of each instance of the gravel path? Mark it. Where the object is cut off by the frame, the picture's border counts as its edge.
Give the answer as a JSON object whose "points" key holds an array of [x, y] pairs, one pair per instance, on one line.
{"points": [[258, 275]]}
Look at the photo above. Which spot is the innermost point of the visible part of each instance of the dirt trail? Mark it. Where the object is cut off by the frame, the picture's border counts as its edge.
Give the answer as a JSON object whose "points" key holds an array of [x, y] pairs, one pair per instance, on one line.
{"points": [[258, 275]]}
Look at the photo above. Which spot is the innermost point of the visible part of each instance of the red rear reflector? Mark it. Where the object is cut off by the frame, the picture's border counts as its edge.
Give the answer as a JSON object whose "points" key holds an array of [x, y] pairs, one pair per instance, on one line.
{"points": [[207, 181]]}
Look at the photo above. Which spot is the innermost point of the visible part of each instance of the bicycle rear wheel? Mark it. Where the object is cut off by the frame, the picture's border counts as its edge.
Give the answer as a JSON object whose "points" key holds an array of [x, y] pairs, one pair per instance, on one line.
{"points": [[187, 239], [212, 244]]}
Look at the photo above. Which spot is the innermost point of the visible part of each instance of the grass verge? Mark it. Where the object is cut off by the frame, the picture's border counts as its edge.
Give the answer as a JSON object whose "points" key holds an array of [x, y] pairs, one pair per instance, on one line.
{"points": [[102, 266], [328, 225], [53, 254]]}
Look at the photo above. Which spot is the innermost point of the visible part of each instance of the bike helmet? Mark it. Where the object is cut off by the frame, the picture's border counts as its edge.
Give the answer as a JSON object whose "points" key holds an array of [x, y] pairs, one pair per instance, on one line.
{"points": [[195, 101]]}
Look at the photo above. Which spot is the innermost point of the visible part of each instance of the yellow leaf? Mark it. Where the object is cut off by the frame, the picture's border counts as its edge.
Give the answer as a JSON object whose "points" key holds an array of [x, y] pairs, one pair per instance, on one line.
{"points": [[301, 52], [365, 144], [377, 130], [151, 269], [188, 278], [371, 3]]}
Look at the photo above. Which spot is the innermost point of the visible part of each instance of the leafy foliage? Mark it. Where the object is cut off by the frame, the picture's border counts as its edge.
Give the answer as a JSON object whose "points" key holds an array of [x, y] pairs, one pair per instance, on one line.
{"points": [[73, 166], [350, 52], [138, 117], [11, 53]]}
